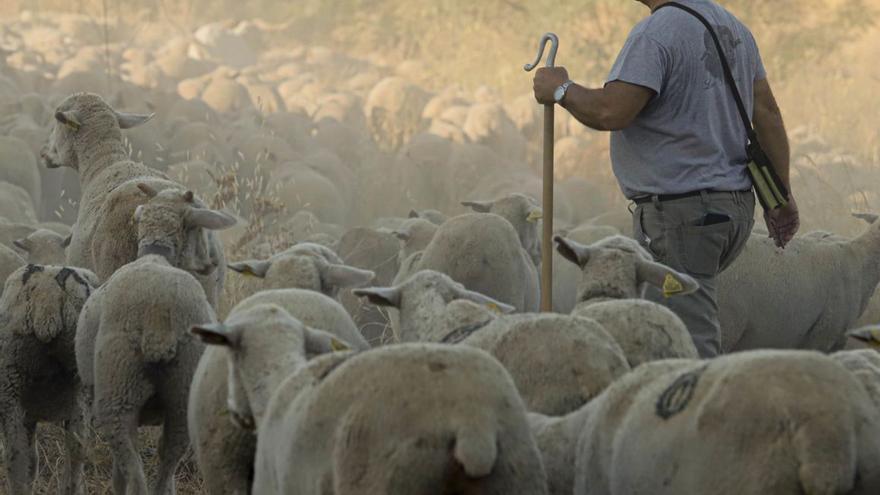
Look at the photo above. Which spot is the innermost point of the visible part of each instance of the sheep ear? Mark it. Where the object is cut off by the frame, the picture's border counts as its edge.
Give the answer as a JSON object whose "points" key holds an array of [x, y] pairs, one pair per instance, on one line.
{"points": [[129, 120], [870, 218], [343, 276], [66, 242], [671, 282], [23, 244], [321, 342], [209, 219], [253, 268], [478, 206], [402, 234], [189, 196], [380, 296], [147, 189], [69, 119], [572, 251], [414, 214], [215, 334], [534, 214], [484, 300]]}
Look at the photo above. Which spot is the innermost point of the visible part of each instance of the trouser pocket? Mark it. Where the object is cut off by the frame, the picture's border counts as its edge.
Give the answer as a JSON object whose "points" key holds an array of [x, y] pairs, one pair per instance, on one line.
{"points": [[702, 248]]}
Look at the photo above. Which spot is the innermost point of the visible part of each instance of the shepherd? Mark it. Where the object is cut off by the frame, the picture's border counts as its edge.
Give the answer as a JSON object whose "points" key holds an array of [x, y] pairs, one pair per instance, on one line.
{"points": [[686, 95]]}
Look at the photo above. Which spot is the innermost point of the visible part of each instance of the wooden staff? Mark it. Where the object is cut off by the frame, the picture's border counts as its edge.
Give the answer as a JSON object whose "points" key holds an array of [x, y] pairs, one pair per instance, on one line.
{"points": [[549, 140]]}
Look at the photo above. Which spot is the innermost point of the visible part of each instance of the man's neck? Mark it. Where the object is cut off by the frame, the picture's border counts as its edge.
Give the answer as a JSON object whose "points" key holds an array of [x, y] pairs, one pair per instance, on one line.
{"points": [[653, 4]]}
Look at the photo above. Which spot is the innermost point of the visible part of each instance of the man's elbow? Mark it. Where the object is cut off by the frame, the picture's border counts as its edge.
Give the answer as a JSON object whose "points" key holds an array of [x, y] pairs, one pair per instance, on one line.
{"points": [[612, 119]]}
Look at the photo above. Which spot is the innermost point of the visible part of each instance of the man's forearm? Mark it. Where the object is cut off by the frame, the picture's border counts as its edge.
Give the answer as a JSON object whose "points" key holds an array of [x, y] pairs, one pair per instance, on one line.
{"points": [[589, 107]]}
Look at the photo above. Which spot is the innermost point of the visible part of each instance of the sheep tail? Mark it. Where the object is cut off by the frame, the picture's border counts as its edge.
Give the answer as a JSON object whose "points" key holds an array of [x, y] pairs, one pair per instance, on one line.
{"points": [[476, 451]]}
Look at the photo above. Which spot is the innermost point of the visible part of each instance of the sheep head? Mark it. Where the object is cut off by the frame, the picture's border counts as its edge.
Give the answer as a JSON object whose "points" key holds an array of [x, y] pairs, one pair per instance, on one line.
{"points": [[422, 301], [263, 334], [79, 120], [304, 271], [168, 221], [618, 268]]}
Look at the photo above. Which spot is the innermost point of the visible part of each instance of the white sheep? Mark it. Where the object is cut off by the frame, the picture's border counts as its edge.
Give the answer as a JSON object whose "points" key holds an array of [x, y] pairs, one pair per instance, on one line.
{"points": [[223, 451], [415, 234], [558, 362], [306, 266], [615, 272], [523, 212], [865, 365], [777, 422], [39, 382], [803, 297], [134, 358], [86, 136], [44, 247], [483, 252], [9, 262], [439, 418]]}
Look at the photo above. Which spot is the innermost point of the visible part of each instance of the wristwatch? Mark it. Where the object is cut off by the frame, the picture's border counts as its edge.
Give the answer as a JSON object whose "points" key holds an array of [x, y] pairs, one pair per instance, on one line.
{"points": [[560, 92]]}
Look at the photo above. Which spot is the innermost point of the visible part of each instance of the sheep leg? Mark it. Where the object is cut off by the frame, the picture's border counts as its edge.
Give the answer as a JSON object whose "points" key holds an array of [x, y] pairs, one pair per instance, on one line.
{"points": [[172, 448], [72, 478], [19, 450], [128, 470]]}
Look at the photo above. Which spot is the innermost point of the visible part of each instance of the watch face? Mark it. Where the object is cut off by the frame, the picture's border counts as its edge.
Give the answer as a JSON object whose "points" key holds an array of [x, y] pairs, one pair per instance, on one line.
{"points": [[559, 94]]}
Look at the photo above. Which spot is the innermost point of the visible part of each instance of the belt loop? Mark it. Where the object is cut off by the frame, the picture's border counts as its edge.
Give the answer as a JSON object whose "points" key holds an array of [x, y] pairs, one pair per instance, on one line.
{"points": [[704, 197], [655, 199]]}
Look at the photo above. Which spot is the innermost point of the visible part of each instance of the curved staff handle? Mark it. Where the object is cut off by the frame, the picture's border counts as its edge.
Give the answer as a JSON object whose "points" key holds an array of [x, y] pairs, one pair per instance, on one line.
{"points": [[551, 57]]}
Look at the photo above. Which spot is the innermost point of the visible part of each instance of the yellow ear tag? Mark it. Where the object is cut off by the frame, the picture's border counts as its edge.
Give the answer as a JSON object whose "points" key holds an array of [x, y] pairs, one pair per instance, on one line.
{"points": [[671, 286], [493, 308], [72, 125], [534, 216], [337, 345]]}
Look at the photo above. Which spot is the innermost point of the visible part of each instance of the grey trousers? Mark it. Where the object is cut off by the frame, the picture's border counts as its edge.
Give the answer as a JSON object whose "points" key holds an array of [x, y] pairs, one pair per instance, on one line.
{"points": [[700, 236]]}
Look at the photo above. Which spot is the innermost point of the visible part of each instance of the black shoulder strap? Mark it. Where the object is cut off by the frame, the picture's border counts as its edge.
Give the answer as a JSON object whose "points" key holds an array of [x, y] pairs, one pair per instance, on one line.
{"points": [[728, 74]]}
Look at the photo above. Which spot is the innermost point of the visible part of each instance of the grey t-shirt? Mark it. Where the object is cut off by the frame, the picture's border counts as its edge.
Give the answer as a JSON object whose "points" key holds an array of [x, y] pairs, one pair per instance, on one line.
{"points": [[690, 136]]}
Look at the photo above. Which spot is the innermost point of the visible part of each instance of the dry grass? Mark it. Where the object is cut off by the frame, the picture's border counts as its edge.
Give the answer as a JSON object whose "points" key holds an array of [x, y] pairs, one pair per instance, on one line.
{"points": [[97, 474]]}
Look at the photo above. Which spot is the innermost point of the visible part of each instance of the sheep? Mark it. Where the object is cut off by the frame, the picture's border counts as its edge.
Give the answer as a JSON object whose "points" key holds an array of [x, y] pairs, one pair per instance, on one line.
{"points": [[558, 362], [377, 251], [393, 109], [566, 276], [307, 266], [865, 365], [523, 212], [136, 363], [44, 247], [434, 216], [38, 322], [16, 204], [459, 425], [19, 167], [777, 421], [415, 234], [9, 262], [615, 272], [223, 451], [174, 224], [827, 286], [483, 252], [86, 136]]}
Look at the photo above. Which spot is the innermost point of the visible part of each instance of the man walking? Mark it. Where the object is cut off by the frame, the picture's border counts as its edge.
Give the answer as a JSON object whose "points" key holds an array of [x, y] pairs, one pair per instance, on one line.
{"points": [[678, 146]]}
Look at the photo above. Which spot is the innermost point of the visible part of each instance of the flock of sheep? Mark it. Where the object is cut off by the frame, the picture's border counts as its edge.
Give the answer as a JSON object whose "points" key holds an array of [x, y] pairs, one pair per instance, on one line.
{"points": [[322, 278]]}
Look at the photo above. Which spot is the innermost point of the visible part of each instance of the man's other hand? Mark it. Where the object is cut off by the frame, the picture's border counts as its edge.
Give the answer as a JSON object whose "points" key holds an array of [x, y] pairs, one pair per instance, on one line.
{"points": [[783, 223], [547, 79]]}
